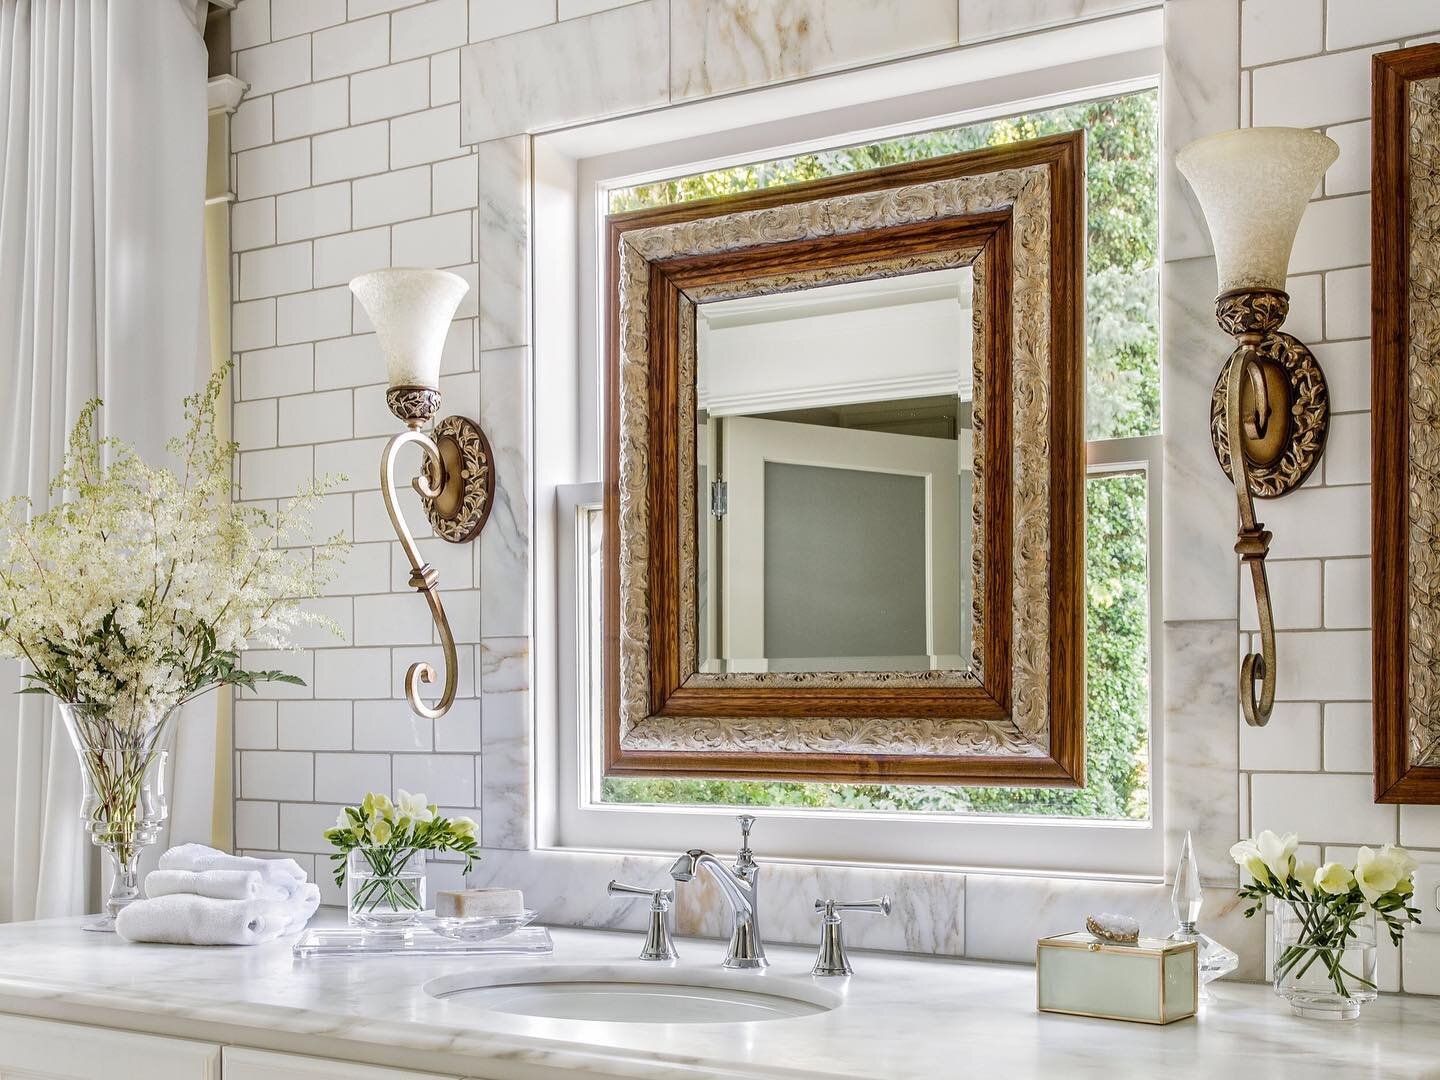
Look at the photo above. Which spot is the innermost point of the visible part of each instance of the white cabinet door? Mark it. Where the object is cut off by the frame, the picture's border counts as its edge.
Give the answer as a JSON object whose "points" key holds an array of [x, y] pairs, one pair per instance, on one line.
{"points": [[49, 1050], [242, 1064]]}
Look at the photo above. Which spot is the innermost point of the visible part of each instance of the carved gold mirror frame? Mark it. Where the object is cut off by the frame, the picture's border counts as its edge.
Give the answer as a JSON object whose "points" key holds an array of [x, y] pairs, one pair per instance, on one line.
{"points": [[1405, 434], [1013, 214]]}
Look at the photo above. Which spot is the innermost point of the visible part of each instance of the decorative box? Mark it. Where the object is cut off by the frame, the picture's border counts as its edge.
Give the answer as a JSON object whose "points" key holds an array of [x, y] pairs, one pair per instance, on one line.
{"points": [[1153, 981]]}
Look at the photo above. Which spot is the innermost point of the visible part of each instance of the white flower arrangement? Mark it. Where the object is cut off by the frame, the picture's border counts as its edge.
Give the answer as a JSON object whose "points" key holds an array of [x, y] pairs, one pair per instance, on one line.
{"points": [[140, 590], [387, 834], [1328, 899]]}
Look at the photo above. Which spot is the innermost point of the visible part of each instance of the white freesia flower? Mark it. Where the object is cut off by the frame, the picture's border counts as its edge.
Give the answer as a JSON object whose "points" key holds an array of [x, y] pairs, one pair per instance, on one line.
{"points": [[1277, 852], [1247, 856], [1405, 866], [1375, 873], [1334, 878], [1304, 872], [413, 807], [464, 827]]}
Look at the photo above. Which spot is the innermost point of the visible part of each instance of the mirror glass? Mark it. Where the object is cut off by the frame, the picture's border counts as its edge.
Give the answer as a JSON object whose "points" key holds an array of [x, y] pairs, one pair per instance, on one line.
{"points": [[834, 465]]}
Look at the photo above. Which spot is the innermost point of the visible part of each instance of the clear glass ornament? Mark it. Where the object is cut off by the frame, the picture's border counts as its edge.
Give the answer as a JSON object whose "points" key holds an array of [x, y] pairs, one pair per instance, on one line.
{"points": [[1213, 959]]}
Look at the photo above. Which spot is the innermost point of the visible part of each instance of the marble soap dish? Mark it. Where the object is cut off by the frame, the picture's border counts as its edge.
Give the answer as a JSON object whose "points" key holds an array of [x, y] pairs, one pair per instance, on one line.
{"points": [[345, 941]]}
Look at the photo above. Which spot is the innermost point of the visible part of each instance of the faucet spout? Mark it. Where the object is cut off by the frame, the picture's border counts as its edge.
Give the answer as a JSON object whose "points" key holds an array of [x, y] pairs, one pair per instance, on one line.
{"points": [[747, 949]]}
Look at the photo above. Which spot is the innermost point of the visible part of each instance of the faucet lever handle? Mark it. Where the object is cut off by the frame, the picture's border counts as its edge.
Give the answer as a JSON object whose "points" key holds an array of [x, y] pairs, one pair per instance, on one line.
{"points": [[878, 906], [832, 959], [658, 943], [660, 899]]}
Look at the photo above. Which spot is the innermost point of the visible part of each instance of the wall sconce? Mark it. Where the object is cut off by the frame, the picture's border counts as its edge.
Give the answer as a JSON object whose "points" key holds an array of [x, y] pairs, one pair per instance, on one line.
{"points": [[1270, 399], [411, 311]]}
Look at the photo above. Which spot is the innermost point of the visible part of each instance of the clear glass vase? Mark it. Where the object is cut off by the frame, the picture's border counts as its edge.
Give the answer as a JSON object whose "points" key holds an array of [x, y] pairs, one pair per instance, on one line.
{"points": [[1324, 966], [385, 890], [122, 772]]}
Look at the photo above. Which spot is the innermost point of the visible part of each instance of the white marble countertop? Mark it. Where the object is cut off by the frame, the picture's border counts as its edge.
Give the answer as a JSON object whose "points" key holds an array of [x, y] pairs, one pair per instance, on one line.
{"points": [[903, 1017]]}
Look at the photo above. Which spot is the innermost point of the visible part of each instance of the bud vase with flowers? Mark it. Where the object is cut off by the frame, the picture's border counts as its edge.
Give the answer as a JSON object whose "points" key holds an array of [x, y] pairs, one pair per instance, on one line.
{"points": [[380, 848], [1326, 919]]}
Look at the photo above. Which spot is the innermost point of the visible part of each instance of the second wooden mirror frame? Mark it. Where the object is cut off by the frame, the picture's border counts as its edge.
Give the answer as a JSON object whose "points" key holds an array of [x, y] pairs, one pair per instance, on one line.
{"points": [[1014, 214]]}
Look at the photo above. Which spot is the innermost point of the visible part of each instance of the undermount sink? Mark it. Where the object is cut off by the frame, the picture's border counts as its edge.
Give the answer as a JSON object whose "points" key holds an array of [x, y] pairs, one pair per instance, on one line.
{"points": [[635, 996]]}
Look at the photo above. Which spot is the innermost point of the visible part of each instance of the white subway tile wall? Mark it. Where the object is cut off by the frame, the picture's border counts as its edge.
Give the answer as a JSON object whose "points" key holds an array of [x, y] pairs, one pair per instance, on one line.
{"points": [[346, 144], [348, 155], [1309, 65]]}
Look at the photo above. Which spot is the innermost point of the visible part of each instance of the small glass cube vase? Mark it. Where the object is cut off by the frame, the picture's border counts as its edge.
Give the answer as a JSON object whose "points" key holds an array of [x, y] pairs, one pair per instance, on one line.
{"points": [[385, 891], [1326, 971]]}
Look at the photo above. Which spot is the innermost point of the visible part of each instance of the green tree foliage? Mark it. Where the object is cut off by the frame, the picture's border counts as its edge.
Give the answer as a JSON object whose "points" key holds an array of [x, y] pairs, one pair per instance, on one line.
{"points": [[1123, 399]]}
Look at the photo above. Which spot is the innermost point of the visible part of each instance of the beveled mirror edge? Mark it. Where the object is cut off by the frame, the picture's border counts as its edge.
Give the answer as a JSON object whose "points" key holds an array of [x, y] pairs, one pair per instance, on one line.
{"points": [[1060, 760]]}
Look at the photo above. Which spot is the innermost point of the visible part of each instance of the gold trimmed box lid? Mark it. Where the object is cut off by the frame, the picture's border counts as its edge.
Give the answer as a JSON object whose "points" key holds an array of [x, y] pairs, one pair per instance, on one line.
{"points": [[1083, 939]]}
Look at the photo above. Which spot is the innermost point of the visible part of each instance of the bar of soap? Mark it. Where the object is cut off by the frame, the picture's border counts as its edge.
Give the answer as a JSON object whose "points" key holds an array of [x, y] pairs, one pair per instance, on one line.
{"points": [[474, 903]]}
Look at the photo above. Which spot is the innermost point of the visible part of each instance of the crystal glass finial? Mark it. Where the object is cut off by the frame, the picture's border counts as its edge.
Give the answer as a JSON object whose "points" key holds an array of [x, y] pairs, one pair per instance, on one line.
{"points": [[1186, 899], [411, 310], [1253, 185]]}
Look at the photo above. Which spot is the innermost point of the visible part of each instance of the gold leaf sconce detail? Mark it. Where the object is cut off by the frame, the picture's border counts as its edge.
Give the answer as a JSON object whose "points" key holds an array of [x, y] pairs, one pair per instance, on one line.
{"points": [[412, 310]]}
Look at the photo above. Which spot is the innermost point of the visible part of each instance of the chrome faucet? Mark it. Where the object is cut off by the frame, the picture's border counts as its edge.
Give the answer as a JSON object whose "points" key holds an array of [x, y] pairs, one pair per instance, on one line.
{"points": [[738, 883]]}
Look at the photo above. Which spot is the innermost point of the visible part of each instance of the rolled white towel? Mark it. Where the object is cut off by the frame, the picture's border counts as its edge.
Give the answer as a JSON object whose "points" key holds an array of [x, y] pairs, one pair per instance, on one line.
{"points": [[187, 919], [217, 884], [301, 907], [199, 858]]}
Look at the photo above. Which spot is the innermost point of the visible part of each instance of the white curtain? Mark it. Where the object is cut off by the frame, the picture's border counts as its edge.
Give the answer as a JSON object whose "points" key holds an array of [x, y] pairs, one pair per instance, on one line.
{"points": [[102, 182]]}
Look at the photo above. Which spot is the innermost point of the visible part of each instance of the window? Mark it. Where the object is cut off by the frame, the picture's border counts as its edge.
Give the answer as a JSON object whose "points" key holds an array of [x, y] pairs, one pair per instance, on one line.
{"points": [[1122, 520]]}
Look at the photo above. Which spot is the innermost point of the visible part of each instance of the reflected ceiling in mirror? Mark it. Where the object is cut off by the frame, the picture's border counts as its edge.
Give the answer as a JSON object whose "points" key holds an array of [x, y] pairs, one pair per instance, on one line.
{"points": [[834, 464]]}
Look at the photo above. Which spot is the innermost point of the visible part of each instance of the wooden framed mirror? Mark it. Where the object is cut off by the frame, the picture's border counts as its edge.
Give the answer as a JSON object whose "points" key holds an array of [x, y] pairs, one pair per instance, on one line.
{"points": [[1405, 419], [844, 477]]}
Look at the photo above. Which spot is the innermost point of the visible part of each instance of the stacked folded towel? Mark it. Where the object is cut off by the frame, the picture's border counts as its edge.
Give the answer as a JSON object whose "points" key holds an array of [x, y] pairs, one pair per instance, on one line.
{"points": [[201, 896]]}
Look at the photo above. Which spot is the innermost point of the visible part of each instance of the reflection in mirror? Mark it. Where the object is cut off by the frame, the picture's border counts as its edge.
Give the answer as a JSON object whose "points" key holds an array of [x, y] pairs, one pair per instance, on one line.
{"points": [[834, 464]]}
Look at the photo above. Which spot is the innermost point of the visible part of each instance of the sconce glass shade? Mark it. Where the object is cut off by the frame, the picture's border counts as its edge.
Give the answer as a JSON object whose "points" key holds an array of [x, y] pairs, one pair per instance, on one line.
{"points": [[1253, 185], [411, 310]]}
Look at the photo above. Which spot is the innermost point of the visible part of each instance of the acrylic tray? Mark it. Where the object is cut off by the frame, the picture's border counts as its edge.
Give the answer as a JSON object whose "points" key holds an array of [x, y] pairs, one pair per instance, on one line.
{"points": [[476, 927], [345, 941]]}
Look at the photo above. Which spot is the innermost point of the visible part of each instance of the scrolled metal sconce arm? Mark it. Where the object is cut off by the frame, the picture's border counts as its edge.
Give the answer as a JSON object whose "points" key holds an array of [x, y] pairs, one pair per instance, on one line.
{"points": [[423, 577], [456, 486], [1252, 545], [1271, 402]]}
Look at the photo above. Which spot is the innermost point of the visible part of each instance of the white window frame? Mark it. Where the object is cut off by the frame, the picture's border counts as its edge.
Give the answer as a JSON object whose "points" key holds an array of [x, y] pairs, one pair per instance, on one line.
{"points": [[570, 185]]}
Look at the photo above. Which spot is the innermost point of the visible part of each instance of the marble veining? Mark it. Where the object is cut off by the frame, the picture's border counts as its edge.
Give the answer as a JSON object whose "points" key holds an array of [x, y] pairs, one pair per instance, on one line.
{"points": [[503, 225], [722, 45], [1200, 569], [1201, 75], [504, 766], [901, 1018], [981, 19], [605, 64], [1202, 744], [504, 546]]}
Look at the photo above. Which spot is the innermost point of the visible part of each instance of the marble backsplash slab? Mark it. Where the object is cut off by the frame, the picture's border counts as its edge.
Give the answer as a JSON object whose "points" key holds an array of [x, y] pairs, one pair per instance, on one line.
{"points": [[937, 913]]}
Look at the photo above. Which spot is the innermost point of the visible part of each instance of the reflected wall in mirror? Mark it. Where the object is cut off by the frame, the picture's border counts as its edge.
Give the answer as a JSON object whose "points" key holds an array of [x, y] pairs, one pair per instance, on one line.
{"points": [[844, 477], [835, 477]]}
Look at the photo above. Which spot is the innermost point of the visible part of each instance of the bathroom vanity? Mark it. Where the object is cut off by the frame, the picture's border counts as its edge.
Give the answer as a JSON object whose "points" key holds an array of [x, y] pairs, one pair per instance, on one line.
{"points": [[75, 1006]]}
